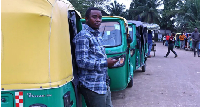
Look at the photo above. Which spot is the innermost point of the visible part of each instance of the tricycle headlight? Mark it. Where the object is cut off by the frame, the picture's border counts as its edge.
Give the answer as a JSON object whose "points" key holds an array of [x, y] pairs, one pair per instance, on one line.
{"points": [[121, 61], [132, 52]]}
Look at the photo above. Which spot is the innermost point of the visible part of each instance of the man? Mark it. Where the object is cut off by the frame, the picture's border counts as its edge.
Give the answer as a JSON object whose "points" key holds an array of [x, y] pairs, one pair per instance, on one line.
{"points": [[92, 62], [171, 46], [195, 41], [149, 43], [182, 41]]}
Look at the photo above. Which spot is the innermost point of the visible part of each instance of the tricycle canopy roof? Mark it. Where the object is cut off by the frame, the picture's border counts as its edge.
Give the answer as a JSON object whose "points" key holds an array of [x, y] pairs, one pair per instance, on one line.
{"points": [[151, 26], [117, 17], [137, 23], [36, 50]]}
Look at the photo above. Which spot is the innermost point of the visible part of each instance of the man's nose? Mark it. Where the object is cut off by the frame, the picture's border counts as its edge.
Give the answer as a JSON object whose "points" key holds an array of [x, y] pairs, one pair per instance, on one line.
{"points": [[98, 20]]}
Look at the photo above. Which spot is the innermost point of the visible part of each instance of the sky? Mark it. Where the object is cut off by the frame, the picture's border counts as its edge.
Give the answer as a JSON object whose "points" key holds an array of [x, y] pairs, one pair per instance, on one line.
{"points": [[125, 2]]}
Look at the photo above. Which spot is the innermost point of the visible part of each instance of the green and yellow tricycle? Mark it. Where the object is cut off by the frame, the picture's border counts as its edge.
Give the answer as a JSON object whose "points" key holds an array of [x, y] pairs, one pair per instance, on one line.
{"points": [[141, 45], [36, 57], [116, 40]]}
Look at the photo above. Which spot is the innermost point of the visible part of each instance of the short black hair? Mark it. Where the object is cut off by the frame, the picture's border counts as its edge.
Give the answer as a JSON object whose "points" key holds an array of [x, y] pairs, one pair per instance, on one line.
{"points": [[87, 14], [173, 34]]}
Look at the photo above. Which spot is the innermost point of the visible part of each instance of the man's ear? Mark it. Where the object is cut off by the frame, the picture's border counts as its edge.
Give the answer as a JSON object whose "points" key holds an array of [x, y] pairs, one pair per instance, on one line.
{"points": [[86, 19]]}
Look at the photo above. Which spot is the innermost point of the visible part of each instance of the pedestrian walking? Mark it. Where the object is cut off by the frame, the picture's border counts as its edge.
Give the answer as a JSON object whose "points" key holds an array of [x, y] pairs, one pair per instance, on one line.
{"points": [[182, 41], [171, 46], [195, 41], [92, 62], [149, 42]]}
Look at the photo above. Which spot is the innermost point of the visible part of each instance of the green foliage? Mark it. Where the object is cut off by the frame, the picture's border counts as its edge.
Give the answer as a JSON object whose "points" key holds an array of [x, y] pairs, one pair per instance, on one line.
{"points": [[116, 9], [189, 16], [83, 5], [171, 9], [177, 15], [145, 10]]}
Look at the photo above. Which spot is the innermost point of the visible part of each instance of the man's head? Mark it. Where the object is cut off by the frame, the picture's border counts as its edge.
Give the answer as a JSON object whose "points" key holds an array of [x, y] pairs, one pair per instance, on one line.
{"points": [[195, 29], [93, 17], [173, 34]]}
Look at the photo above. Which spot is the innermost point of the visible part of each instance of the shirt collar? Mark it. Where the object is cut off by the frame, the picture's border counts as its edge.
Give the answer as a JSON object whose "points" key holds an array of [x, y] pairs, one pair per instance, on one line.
{"points": [[88, 28]]}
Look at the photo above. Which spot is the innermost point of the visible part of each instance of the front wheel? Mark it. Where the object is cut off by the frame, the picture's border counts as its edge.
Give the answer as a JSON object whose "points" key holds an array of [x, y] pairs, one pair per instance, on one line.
{"points": [[144, 67], [130, 84]]}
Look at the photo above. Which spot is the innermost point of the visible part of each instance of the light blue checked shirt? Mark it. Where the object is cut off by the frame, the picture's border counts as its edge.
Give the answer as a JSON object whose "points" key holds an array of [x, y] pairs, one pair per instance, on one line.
{"points": [[91, 60]]}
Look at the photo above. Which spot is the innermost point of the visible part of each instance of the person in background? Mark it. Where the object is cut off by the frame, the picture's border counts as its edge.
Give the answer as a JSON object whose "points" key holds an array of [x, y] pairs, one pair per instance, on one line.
{"points": [[167, 38], [195, 41], [188, 41], [164, 39], [182, 41], [171, 46], [186, 38], [149, 43], [92, 62], [177, 40]]}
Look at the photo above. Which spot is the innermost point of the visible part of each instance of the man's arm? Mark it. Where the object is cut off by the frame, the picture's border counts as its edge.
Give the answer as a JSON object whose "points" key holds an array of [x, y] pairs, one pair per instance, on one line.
{"points": [[192, 35], [82, 56], [199, 37]]}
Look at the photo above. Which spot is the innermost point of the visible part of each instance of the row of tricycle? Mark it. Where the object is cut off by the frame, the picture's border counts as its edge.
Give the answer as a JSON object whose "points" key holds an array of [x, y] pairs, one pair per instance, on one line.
{"points": [[38, 67]]}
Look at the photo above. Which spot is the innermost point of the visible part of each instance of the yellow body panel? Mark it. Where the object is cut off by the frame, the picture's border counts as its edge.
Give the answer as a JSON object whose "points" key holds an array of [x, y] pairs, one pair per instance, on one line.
{"points": [[35, 44]]}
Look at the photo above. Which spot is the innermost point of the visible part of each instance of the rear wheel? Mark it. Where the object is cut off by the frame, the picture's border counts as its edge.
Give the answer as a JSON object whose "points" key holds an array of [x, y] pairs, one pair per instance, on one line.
{"points": [[130, 84]]}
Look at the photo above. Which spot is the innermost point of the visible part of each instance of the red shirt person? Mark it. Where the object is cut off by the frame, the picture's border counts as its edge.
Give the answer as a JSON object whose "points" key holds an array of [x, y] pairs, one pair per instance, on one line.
{"points": [[167, 37]]}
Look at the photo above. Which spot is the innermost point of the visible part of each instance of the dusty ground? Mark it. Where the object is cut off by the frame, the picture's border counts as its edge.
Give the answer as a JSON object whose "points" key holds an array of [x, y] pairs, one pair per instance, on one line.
{"points": [[167, 82]]}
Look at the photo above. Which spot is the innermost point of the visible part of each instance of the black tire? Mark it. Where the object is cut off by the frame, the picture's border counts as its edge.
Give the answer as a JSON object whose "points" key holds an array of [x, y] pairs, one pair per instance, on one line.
{"points": [[130, 84], [144, 67]]}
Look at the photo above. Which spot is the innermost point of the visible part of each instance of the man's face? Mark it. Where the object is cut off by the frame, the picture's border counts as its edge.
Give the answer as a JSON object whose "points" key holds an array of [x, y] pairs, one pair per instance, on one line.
{"points": [[94, 20], [195, 29]]}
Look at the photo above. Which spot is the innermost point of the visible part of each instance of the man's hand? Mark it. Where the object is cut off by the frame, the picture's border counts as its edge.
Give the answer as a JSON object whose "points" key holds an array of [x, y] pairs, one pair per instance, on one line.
{"points": [[111, 62]]}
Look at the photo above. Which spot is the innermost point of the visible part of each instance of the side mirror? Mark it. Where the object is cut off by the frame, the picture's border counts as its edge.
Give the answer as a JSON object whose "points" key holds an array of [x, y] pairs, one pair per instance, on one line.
{"points": [[129, 40]]}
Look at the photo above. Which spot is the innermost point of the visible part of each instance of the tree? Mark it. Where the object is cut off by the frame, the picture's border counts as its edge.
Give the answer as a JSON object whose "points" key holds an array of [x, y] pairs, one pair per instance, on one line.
{"points": [[83, 5], [168, 14], [146, 10], [116, 9], [189, 16]]}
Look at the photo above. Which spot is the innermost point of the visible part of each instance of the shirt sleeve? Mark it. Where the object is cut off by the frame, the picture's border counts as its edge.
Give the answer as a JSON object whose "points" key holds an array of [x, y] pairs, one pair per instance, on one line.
{"points": [[199, 37], [192, 35], [83, 58]]}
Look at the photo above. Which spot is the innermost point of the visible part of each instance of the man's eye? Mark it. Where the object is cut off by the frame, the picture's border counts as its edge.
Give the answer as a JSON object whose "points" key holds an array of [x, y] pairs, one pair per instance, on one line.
{"points": [[94, 17]]}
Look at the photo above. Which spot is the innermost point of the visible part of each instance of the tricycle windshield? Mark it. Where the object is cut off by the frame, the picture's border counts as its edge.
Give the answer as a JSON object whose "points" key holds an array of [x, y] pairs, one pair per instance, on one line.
{"points": [[110, 32]]}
